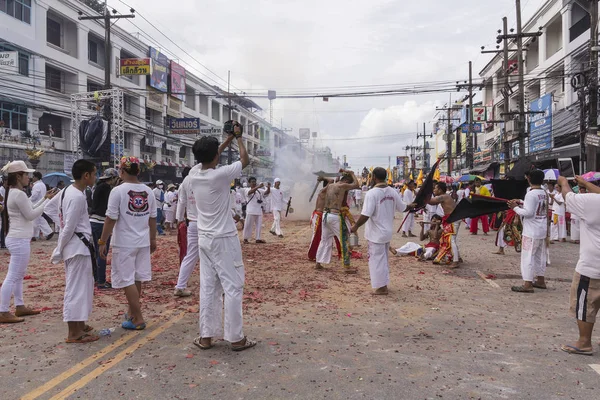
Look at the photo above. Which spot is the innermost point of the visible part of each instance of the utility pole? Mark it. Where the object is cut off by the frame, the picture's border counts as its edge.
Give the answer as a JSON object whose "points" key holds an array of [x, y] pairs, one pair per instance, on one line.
{"points": [[591, 161], [448, 137], [229, 150], [520, 67], [506, 95], [107, 17], [424, 136], [471, 137]]}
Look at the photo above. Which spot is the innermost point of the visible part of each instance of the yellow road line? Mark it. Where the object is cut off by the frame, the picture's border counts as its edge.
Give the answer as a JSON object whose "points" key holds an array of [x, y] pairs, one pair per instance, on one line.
{"points": [[595, 367], [116, 359], [491, 282]]}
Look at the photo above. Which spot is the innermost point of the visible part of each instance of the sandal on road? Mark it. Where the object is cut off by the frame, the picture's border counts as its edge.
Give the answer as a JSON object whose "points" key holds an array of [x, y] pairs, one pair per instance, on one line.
{"points": [[247, 344], [198, 343], [88, 328], [521, 289], [129, 325], [575, 350], [85, 338], [535, 285]]}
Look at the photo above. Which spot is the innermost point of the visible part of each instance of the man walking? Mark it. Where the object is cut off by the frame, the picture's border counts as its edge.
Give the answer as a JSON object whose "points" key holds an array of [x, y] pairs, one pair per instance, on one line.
{"points": [[276, 205], [187, 213], [159, 196], [221, 265], [408, 198], [38, 191], [585, 287], [380, 205], [254, 212]]}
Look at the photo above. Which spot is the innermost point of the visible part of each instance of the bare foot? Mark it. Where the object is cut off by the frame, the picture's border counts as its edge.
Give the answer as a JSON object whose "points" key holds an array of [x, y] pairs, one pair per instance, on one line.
{"points": [[393, 250], [348, 270], [454, 265], [500, 252], [319, 266], [382, 291]]}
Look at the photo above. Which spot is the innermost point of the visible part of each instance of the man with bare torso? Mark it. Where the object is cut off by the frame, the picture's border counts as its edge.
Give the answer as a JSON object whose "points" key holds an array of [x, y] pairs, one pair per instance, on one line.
{"points": [[448, 253], [316, 221], [333, 219]]}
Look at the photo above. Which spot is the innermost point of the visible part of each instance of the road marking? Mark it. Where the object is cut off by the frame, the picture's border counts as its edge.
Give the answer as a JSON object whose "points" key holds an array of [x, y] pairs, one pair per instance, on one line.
{"points": [[116, 359], [595, 367], [491, 282]]}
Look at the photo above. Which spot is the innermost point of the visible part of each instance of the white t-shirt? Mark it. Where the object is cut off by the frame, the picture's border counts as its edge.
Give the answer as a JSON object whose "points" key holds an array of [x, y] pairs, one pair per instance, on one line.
{"points": [[131, 205], [460, 194], [157, 194], [170, 201], [74, 218], [559, 209], [408, 197], [187, 202], [253, 207], [380, 206], [276, 199], [358, 194], [38, 191], [21, 214], [552, 205], [52, 207], [534, 214], [587, 208], [211, 190]]}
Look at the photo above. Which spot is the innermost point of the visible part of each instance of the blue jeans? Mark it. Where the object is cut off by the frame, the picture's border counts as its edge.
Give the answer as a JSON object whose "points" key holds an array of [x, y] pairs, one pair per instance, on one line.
{"points": [[100, 273], [159, 220]]}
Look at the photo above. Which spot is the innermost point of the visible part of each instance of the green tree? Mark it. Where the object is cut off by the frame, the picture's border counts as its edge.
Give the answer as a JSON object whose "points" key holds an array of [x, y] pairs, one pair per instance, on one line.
{"points": [[95, 5]]}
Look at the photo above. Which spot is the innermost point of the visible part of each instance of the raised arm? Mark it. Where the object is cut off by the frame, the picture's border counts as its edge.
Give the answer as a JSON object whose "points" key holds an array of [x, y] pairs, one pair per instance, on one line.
{"points": [[353, 185], [30, 211]]}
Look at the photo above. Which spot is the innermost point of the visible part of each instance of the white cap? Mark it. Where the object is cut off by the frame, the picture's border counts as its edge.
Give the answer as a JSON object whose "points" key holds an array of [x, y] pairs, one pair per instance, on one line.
{"points": [[277, 180], [16, 166], [159, 182], [244, 184]]}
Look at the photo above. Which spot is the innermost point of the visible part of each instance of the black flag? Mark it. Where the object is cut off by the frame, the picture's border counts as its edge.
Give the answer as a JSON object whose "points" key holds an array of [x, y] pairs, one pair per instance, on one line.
{"points": [[477, 206], [426, 189]]}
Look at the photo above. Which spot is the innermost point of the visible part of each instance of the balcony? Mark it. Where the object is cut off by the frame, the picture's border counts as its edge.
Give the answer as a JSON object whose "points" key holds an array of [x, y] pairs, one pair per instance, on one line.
{"points": [[579, 28]]}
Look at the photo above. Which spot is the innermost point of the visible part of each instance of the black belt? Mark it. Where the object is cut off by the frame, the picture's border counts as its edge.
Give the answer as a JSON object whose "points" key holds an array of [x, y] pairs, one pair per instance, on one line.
{"points": [[90, 247]]}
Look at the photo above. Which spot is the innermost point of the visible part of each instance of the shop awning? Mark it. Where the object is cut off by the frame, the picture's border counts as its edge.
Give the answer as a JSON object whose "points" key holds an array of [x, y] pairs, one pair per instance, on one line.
{"points": [[166, 164], [482, 168]]}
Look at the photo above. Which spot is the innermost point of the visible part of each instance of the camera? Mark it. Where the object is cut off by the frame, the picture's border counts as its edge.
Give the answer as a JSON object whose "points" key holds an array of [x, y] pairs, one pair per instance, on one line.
{"points": [[229, 127], [259, 201]]}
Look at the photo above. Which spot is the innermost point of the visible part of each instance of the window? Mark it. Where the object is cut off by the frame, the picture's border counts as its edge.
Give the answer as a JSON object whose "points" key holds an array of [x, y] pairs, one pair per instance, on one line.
{"points": [[92, 51], [23, 58], [55, 79], [51, 125], [93, 86], [127, 140], [19, 9], [96, 50], [13, 116], [54, 31]]}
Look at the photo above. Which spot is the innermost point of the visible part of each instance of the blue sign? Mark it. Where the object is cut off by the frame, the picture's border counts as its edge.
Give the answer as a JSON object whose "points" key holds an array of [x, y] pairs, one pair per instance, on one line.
{"points": [[184, 126], [540, 124], [477, 128]]}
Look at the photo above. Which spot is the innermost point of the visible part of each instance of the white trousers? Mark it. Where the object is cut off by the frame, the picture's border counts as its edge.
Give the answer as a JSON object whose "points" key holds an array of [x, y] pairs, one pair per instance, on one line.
{"points": [[378, 264], [252, 220], [575, 232], [221, 272], [533, 258], [41, 225], [191, 257], [276, 227], [500, 238], [79, 289], [20, 251], [408, 224], [558, 231], [169, 215], [429, 253], [330, 227]]}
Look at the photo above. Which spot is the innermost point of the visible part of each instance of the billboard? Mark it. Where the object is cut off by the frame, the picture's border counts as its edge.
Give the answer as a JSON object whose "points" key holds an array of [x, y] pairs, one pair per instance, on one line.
{"points": [[9, 61], [177, 81], [540, 124], [184, 126], [477, 128], [304, 133], [134, 66], [159, 70]]}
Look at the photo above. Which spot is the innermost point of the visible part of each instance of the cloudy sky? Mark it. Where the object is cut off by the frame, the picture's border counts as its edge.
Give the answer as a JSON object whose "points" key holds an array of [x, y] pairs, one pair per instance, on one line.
{"points": [[322, 46]]}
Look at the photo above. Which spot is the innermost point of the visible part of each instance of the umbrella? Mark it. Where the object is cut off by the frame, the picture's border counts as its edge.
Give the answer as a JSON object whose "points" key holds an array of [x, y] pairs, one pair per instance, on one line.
{"points": [[591, 176], [551, 174], [469, 178], [446, 179], [53, 178]]}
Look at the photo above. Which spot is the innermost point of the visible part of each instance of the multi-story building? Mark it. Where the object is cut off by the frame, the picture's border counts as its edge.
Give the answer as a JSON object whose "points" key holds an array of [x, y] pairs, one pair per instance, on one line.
{"points": [[58, 55]]}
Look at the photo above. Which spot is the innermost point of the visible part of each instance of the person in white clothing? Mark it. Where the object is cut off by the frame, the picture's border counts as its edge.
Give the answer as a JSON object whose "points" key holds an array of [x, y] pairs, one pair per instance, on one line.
{"points": [[3, 185], [131, 213], [380, 205], [75, 247], [38, 191], [558, 229], [277, 205], [408, 198], [585, 286], [467, 195], [17, 222], [575, 221], [254, 212], [221, 265], [169, 207], [159, 197], [187, 212], [534, 215], [358, 198]]}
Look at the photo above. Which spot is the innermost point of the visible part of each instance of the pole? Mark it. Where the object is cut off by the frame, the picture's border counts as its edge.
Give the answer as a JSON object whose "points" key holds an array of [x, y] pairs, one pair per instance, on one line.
{"points": [[107, 47], [591, 160], [521, 82], [505, 142], [448, 138], [229, 150], [471, 141], [424, 149]]}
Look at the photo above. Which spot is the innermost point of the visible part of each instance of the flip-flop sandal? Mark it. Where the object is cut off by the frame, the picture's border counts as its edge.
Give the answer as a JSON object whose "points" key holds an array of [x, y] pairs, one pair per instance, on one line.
{"points": [[521, 289], [539, 286], [260, 241], [129, 325], [85, 338], [198, 343], [248, 344], [574, 350], [88, 328]]}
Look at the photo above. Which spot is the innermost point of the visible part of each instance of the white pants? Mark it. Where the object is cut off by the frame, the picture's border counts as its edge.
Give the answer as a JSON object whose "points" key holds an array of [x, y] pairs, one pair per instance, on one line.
{"points": [[248, 226], [533, 258], [238, 210], [378, 264], [468, 223], [191, 257], [20, 251], [169, 215], [41, 225], [429, 253], [330, 227], [221, 272], [575, 235], [79, 289], [558, 231], [500, 238], [276, 227], [408, 224], [130, 265]]}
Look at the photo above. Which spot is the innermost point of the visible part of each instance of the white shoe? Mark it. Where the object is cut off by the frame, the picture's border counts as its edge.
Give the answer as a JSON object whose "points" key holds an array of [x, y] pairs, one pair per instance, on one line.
{"points": [[182, 293]]}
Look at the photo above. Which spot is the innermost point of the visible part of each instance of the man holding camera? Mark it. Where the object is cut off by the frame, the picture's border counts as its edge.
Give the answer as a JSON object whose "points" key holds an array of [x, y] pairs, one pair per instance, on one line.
{"points": [[254, 212]]}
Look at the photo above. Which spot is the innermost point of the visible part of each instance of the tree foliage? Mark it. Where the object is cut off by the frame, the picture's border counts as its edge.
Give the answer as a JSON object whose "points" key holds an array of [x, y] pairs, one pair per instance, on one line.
{"points": [[95, 5]]}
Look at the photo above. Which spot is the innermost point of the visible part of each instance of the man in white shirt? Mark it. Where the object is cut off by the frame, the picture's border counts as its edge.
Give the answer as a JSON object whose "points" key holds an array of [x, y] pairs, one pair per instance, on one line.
{"points": [[186, 211], [409, 198], [575, 222], [358, 198], [276, 205], [381, 203], [585, 287], [3, 184], [254, 212], [221, 264], [534, 215], [132, 214], [558, 228], [38, 191], [159, 197], [169, 207], [76, 249]]}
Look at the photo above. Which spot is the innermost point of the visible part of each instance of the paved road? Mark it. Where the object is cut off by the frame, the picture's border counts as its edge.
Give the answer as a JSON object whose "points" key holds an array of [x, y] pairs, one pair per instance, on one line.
{"points": [[439, 334]]}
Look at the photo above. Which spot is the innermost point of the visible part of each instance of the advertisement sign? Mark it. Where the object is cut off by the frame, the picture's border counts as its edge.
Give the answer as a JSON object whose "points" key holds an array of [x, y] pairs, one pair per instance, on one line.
{"points": [[184, 126], [174, 107], [159, 70], [477, 128], [540, 125], [177, 81], [211, 130], [9, 61], [155, 100], [479, 114], [134, 66], [304, 133], [173, 147], [69, 160]]}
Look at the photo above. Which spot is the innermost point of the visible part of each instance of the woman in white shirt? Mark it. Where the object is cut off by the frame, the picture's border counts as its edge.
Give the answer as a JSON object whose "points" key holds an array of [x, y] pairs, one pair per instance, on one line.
{"points": [[18, 218]]}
